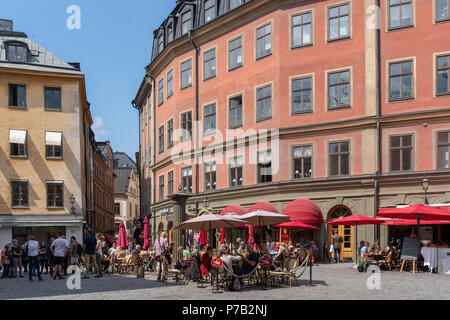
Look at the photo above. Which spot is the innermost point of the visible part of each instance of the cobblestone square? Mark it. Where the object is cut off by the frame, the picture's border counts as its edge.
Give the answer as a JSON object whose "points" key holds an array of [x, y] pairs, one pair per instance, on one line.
{"points": [[330, 282]]}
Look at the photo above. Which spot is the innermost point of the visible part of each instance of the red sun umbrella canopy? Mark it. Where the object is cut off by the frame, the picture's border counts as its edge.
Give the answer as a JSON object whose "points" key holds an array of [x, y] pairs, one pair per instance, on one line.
{"points": [[421, 211], [236, 210], [296, 225], [355, 220], [406, 222], [146, 234], [123, 239], [251, 235], [203, 240], [304, 210]]}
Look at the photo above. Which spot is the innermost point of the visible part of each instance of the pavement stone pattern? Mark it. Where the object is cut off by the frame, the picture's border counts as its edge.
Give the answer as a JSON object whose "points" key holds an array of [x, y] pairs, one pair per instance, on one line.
{"points": [[330, 282]]}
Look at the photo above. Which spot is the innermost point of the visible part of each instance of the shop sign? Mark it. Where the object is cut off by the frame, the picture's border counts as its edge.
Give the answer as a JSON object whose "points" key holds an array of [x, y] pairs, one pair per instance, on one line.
{"points": [[217, 263], [265, 262], [169, 217], [163, 211]]}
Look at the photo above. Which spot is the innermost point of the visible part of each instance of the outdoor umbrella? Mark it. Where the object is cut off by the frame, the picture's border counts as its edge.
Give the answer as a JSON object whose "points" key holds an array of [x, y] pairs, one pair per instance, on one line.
{"points": [[251, 235], [418, 211], [260, 218], [222, 236], [296, 225], [146, 234], [211, 221], [123, 239], [355, 220], [203, 239], [408, 222]]}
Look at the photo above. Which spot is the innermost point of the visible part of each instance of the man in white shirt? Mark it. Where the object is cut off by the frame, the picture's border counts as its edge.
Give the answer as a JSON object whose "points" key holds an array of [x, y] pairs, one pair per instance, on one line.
{"points": [[99, 253], [33, 257], [365, 250], [59, 248], [228, 261]]}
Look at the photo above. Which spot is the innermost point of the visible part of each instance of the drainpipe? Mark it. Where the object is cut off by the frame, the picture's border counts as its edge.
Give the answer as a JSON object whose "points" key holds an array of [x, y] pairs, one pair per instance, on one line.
{"points": [[153, 149], [379, 132], [140, 159], [87, 181], [196, 142]]}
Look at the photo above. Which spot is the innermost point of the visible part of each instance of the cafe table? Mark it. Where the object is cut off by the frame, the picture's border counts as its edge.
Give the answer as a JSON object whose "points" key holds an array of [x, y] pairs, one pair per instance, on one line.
{"points": [[430, 257]]}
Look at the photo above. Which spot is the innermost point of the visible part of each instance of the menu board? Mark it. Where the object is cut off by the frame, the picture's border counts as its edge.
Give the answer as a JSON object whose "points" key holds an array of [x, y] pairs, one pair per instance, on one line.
{"points": [[410, 249]]}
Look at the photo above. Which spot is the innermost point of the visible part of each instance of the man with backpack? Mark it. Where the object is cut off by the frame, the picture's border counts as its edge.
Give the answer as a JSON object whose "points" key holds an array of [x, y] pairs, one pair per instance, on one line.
{"points": [[76, 251]]}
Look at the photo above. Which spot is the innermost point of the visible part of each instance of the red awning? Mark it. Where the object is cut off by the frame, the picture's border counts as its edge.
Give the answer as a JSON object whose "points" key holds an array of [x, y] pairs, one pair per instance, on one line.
{"points": [[233, 209], [264, 206], [304, 210]]}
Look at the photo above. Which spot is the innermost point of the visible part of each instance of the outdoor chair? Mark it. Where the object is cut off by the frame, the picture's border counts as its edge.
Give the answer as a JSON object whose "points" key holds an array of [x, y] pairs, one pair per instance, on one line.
{"points": [[179, 276], [386, 262]]}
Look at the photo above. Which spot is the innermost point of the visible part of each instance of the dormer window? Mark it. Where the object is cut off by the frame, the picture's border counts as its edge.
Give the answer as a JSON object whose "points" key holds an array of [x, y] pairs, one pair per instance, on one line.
{"points": [[170, 33], [16, 52], [235, 3], [210, 10], [186, 22], [160, 43]]}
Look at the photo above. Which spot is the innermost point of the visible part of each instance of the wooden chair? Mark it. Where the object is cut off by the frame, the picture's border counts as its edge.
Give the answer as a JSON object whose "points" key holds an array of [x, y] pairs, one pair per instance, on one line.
{"points": [[386, 262], [179, 276]]}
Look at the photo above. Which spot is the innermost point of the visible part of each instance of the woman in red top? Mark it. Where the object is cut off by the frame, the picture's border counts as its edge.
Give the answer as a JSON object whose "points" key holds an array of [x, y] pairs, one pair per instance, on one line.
{"points": [[205, 266]]}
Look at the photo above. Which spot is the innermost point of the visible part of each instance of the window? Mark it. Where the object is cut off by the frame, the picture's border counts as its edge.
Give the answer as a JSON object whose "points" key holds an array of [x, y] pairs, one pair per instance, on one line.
{"points": [[302, 30], [302, 95], [161, 188], [16, 53], [160, 43], [235, 54], [186, 179], [18, 143], [400, 13], [53, 145], [210, 119], [170, 133], [17, 96], [161, 92], [442, 10], [338, 22], [19, 194], [55, 195], [401, 151], [234, 3], [235, 112], [209, 64], [186, 74], [169, 84], [236, 178], [117, 209], [264, 41], [264, 102], [161, 138], [265, 167], [186, 22], [210, 176], [339, 89], [169, 32], [339, 158], [170, 183], [443, 72], [186, 126], [52, 98], [443, 150], [401, 81], [303, 162], [210, 10]]}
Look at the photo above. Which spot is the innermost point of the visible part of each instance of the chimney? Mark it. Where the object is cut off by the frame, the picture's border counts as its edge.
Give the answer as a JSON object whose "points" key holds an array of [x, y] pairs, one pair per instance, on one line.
{"points": [[6, 25]]}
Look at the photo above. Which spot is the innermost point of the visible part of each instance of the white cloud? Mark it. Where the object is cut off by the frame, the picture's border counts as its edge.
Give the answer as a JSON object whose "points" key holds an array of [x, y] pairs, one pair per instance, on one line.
{"points": [[97, 126]]}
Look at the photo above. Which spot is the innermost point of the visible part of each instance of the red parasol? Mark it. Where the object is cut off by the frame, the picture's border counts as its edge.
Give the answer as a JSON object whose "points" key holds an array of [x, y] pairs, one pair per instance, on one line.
{"points": [[296, 225], [123, 239], [203, 240], [146, 234], [251, 235], [222, 236]]}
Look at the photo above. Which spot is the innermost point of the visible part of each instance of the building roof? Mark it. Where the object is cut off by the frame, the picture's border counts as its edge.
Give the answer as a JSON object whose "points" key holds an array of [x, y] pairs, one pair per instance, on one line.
{"points": [[38, 58], [122, 181], [122, 160]]}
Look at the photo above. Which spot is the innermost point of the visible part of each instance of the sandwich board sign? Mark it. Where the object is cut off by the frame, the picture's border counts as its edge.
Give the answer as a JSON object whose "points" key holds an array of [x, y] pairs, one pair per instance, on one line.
{"points": [[410, 249]]}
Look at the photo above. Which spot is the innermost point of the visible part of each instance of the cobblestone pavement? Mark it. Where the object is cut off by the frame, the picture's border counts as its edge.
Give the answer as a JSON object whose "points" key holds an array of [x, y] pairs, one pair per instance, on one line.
{"points": [[330, 282]]}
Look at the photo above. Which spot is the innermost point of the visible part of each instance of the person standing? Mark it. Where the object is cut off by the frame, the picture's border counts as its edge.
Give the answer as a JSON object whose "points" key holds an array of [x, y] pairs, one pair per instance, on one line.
{"points": [[5, 261], [161, 246], [89, 254], [32, 247], [76, 251], [17, 260], [60, 249], [337, 244], [43, 257], [99, 253], [51, 258]]}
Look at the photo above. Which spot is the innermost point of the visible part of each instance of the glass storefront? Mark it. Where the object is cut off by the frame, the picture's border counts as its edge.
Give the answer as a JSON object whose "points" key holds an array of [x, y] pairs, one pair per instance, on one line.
{"points": [[40, 233]]}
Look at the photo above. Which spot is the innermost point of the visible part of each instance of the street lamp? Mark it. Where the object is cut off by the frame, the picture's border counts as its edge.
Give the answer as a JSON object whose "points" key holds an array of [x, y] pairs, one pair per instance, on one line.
{"points": [[72, 202], [206, 203], [425, 186]]}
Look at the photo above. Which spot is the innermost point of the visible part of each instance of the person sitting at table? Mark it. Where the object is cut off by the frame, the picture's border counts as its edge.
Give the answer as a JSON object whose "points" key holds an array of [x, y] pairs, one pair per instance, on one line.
{"points": [[398, 245], [185, 254], [228, 261], [366, 253], [376, 246], [250, 263], [205, 266], [136, 251], [361, 245]]}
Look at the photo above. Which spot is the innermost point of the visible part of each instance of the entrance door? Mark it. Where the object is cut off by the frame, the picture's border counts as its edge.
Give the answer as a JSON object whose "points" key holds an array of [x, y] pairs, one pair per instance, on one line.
{"points": [[345, 231]]}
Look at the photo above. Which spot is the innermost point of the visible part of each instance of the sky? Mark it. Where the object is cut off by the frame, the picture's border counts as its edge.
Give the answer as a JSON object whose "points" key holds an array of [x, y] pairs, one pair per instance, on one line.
{"points": [[113, 46]]}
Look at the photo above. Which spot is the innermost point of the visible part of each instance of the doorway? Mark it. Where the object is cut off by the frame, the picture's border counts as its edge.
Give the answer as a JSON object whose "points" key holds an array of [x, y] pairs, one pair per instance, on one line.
{"points": [[345, 231]]}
